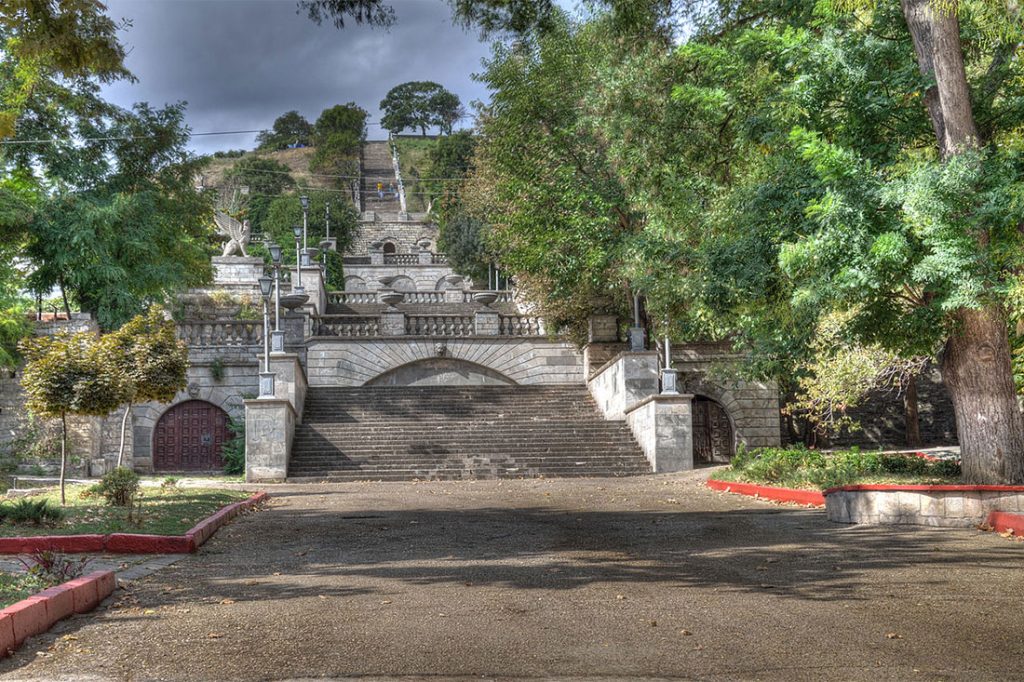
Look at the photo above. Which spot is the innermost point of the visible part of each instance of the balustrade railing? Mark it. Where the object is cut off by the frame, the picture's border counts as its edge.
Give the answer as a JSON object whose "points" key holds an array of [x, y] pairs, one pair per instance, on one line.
{"points": [[439, 259], [401, 259], [347, 297], [346, 325], [439, 325], [424, 297], [520, 325], [199, 333]]}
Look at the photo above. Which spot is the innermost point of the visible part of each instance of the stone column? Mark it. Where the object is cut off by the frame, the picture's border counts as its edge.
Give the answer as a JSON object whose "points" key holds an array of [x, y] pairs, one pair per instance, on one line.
{"points": [[486, 322], [269, 429], [376, 251], [663, 426]]}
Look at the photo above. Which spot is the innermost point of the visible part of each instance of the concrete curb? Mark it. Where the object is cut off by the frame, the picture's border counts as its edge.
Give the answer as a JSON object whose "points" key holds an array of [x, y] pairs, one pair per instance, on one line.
{"points": [[38, 613], [765, 492], [923, 488], [1002, 522], [131, 543]]}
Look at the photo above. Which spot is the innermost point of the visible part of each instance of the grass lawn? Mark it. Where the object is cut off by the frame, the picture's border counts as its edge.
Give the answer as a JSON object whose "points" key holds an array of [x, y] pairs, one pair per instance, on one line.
{"points": [[800, 467], [165, 511], [16, 586]]}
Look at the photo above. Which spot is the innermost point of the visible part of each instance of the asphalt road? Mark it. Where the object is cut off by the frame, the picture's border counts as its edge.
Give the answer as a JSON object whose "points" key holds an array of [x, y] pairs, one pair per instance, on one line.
{"points": [[652, 577]]}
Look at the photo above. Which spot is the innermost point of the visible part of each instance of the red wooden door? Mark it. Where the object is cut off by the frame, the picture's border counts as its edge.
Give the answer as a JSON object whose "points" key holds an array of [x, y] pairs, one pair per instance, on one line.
{"points": [[189, 437], [712, 432]]}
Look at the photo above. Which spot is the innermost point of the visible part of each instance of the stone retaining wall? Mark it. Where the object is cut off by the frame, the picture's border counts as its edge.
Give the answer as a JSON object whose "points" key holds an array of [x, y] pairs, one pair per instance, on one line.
{"points": [[958, 506]]}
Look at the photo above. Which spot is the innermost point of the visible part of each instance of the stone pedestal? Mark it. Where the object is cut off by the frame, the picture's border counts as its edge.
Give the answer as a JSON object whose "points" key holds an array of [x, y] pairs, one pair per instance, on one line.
{"points": [[424, 257], [624, 381], [277, 342], [486, 322], [453, 295], [392, 323], [266, 385], [636, 339], [269, 429], [290, 383], [237, 270], [663, 426], [668, 382]]}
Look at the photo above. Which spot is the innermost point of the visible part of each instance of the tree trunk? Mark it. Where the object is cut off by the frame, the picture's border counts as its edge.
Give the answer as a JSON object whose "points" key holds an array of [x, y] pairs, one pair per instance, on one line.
{"points": [[976, 369], [124, 422], [976, 359], [910, 415], [63, 454]]}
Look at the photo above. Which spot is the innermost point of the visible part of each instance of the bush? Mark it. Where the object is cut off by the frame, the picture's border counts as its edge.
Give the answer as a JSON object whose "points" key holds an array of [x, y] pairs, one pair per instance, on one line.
{"points": [[54, 568], [119, 487], [38, 512], [233, 451]]}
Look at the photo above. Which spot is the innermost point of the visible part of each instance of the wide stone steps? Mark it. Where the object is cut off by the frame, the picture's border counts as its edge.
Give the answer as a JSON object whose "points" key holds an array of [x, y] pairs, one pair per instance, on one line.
{"points": [[458, 433]]}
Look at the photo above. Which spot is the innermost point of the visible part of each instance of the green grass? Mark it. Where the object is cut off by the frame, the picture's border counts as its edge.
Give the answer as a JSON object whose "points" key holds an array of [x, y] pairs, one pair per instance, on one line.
{"points": [[17, 586], [800, 467], [171, 511], [412, 159]]}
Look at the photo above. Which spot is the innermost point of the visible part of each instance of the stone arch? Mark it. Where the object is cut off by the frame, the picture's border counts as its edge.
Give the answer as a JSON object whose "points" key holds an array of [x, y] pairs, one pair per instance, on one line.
{"points": [[403, 283], [189, 436], [441, 372], [444, 285], [390, 248], [355, 283]]}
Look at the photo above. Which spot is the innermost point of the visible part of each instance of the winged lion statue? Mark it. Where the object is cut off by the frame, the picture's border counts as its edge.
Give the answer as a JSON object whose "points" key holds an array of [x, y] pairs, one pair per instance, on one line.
{"points": [[238, 233]]}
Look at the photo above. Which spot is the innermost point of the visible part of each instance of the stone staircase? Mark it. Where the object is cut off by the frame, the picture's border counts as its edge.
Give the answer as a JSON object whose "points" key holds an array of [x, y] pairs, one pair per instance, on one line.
{"points": [[377, 167], [458, 432]]}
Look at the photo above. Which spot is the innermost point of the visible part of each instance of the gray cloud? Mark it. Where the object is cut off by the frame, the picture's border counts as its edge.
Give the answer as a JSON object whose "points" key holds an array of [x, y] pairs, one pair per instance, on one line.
{"points": [[241, 63]]}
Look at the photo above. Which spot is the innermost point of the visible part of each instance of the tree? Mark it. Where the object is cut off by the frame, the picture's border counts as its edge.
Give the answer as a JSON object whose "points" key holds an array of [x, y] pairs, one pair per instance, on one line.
{"points": [[493, 17], [338, 134], [420, 104], [152, 360], [290, 129], [70, 374]]}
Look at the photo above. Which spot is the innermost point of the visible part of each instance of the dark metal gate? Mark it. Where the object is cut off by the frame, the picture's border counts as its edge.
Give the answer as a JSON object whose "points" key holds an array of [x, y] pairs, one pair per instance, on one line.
{"points": [[712, 432], [189, 437]]}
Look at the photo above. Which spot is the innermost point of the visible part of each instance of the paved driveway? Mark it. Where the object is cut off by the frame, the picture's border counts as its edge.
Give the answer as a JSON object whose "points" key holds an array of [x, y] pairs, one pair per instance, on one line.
{"points": [[648, 577]]}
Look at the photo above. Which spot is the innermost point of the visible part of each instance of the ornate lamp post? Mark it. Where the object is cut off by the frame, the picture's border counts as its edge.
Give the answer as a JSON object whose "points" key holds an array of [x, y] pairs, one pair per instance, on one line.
{"points": [[277, 336], [266, 376], [298, 288], [304, 200]]}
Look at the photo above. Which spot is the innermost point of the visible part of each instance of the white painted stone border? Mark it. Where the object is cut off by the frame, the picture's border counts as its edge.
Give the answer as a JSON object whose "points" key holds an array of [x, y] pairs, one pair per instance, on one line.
{"points": [[953, 506]]}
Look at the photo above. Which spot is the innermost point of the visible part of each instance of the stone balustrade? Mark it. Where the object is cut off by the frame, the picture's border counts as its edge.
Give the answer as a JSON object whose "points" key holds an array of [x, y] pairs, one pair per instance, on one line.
{"points": [[503, 296], [438, 259], [201, 333], [520, 325], [424, 297], [346, 325], [401, 259], [439, 325], [351, 297]]}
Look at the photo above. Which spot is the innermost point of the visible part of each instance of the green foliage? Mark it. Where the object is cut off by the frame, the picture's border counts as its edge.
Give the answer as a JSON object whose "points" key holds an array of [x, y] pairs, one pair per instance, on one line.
{"points": [[14, 327], [338, 133], [420, 104], [119, 487], [154, 362], [54, 568], [26, 510], [233, 451], [260, 175], [217, 369], [71, 374], [290, 129], [800, 467], [286, 211]]}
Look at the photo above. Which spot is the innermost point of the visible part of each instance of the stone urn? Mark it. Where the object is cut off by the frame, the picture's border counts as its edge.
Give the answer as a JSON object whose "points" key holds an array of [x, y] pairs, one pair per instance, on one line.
{"points": [[392, 298], [485, 298], [293, 301]]}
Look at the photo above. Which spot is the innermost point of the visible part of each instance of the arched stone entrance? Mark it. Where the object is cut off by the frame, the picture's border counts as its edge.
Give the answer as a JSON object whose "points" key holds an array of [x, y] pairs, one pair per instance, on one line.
{"points": [[713, 440], [189, 436], [441, 372]]}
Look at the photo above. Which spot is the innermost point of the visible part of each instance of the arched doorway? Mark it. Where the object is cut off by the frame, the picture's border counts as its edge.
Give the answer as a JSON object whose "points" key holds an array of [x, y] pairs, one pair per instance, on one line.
{"points": [[712, 432], [390, 249], [189, 436]]}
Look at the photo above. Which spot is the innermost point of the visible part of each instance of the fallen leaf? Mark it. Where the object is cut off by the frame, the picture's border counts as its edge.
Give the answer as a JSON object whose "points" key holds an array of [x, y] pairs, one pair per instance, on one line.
{"points": [[386, 601], [227, 601], [893, 635], [215, 635], [685, 633]]}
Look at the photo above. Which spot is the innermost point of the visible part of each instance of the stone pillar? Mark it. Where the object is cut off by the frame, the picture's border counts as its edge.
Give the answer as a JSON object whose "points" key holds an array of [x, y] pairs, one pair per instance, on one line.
{"points": [[294, 327], [392, 323], [625, 381], [376, 251], [486, 322], [237, 270], [453, 296], [663, 427], [290, 383], [269, 429], [424, 257]]}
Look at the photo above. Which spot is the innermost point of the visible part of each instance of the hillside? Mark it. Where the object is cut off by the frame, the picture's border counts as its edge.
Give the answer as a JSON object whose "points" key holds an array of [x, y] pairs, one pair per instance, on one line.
{"points": [[296, 159]]}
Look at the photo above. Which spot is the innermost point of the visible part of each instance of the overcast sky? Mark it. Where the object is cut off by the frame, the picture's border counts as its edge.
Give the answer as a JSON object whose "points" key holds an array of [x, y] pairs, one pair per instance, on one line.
{"points": [[241, 63]]}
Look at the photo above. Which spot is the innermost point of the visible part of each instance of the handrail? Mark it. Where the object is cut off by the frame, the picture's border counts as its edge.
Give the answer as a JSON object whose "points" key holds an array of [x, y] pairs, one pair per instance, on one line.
{"points": [[398, 173]]}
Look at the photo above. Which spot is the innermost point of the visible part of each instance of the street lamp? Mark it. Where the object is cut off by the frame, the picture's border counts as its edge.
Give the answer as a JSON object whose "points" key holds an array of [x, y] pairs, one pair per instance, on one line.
{"points": [[325, 246], [298, 288], [277, 337], [327, 233], [304, 200], [266, 376]]}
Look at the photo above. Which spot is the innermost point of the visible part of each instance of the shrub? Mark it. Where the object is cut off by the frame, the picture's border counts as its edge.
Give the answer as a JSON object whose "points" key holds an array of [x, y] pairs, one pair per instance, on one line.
{"points": [[947, 467], [233, 451], [54, 568], [27, 510], [169, 483], [119, 487]]}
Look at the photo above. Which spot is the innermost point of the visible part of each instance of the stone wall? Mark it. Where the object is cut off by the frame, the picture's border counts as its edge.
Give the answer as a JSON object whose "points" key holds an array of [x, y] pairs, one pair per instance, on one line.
{"points": [[624, 381], [956, 506], [425, 277], [663, 427], [404, 234], [355, 361]]}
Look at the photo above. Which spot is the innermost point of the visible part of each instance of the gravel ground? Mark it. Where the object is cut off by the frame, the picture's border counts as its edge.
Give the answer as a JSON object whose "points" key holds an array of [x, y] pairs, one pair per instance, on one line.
{"points": [[651, 577]]}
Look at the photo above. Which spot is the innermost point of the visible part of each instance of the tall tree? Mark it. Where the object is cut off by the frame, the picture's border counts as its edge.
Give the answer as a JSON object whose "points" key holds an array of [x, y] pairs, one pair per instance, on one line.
{"points": [[338, 134], [420, 104], [290, 129]]}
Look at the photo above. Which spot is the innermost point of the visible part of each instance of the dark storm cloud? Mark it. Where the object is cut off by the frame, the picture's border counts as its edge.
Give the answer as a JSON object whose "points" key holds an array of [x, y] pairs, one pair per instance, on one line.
{"points": [[241, 63]]}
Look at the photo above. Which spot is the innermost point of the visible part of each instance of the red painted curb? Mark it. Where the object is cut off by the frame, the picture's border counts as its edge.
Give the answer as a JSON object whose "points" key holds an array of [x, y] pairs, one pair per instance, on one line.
{"points": [[952, 488], [769, 492], [1006, 521], [37, 614], [130, 543]]}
